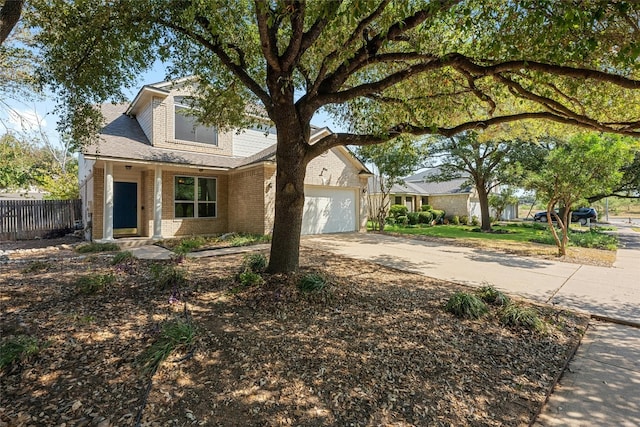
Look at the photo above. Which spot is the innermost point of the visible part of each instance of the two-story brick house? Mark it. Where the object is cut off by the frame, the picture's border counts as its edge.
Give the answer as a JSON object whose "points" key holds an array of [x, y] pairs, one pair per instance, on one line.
{"points": [[157, 173]]}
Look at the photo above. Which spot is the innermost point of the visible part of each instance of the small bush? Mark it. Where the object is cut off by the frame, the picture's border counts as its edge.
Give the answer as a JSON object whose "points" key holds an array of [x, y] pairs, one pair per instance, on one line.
{"points": [[94, 283], [18, 349], [466, 305], [97, 247], [521, 317], [425, 218], [248, 239], [425, 208], [455, 220], [249, 278], [402, 220], [168, 275], [492, 296], [36, 266], [312, 282], [464, 220], [189, 244], [413, 218], [174, 335], [122, 257], [398, 210], [254, 262], [475, 221], [438, 215], [390, 220]]}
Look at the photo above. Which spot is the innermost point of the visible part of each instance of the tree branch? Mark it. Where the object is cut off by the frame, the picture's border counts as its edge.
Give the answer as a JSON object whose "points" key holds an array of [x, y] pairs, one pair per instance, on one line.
{"points": [[268, 40], [296, 11], [217, 48]]}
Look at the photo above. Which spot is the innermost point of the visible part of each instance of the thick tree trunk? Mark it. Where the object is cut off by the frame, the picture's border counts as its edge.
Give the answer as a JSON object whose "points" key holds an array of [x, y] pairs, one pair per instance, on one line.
{"points": [[291, 169], [9, 17], [483, 198]]}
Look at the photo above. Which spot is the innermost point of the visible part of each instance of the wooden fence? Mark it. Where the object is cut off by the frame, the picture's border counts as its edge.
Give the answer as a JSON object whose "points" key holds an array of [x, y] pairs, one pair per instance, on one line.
{"points": [[31, 219]]}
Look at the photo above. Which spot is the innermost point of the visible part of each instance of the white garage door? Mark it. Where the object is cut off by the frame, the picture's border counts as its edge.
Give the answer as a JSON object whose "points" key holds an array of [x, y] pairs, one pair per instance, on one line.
{"points": [[329, 210]]}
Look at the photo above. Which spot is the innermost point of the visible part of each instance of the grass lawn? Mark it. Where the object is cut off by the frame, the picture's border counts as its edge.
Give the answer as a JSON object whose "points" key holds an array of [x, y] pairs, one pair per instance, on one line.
{"points": [[527, 239]]}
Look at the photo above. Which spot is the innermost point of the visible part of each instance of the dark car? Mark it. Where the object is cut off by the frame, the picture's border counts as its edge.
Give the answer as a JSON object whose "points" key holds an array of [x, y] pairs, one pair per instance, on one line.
{"points": [[583, 214], [580, 215], [542, 216]]}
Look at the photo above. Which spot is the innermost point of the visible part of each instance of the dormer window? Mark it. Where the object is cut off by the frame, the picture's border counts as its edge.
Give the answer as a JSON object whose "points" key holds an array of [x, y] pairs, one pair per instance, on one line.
{"points": [[187, 127]]}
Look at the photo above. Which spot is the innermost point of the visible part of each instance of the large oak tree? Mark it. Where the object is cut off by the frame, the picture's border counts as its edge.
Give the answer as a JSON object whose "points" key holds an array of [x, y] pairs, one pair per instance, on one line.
{"points": [[384, 67]]}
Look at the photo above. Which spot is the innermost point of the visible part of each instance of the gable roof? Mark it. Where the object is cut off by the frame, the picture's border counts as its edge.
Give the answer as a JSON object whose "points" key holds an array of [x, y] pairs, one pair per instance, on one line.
{"points": [[419, 184], [122, 138]]}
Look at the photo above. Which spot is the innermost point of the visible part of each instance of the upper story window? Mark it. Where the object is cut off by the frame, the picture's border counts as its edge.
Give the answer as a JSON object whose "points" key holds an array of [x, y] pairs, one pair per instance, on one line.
{"points": [[187, 127]]}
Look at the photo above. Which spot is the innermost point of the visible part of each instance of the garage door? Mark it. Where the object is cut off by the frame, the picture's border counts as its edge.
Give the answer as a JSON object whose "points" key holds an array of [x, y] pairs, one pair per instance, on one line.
{"points": [[328, 210]]}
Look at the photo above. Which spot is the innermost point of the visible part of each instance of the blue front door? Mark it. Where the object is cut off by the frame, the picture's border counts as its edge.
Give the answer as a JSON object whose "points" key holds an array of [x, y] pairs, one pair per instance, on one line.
{"points": [[125, 208]]}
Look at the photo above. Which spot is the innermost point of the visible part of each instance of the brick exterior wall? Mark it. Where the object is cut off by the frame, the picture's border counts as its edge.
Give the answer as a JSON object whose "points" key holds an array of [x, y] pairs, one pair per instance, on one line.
{"points": [[452, 204], [247, 200]]}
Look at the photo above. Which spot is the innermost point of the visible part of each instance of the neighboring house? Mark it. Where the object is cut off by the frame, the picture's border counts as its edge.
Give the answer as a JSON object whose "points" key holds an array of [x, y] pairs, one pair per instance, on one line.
{"points": [[157, 173], [456, 196]]}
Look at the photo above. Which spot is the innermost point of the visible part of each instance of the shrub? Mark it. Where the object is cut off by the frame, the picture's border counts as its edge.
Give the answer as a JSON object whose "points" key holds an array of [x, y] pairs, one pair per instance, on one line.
{"points": [[398, 211], [464, 220], [475, 221], [425, 218], [174, 335], [249, 278], [402, 220], [390, 220], [122, 257], [413, 218], [247, 239], [254, 262], [455, 220], [97, 247], [168, 275], [438, 215], [425, 208], [18, 349], [466, 305], [94, 283], [521, 317], [189, 244], [35, 266], [312, 282], [492, 296]]}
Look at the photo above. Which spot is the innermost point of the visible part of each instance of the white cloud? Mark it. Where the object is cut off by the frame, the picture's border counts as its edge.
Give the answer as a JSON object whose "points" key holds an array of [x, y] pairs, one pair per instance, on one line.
{"points": [[26, 120]]}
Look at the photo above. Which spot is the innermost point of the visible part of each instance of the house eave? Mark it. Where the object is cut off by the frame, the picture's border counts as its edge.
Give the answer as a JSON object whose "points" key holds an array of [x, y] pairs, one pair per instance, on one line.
{"points": [[153, 163], [144, 94]]}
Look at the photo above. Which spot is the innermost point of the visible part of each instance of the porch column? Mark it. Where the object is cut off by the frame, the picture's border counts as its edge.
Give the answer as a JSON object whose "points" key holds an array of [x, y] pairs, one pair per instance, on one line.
{"points": [[107, 220], [157, 204]]}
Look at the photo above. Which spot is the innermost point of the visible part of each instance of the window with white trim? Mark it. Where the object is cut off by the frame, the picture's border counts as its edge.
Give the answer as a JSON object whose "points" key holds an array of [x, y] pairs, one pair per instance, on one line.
{"points": [[195, 197], [187, 127]]}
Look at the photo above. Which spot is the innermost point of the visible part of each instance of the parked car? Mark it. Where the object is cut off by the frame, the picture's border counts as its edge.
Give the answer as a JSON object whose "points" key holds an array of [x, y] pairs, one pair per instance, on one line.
{"points": [[579, 215], [542, 216], [583, 214]]}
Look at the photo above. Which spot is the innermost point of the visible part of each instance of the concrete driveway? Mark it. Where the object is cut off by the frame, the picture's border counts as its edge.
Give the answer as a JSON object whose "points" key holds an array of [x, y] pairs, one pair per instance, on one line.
{"points": [[611, 292]]}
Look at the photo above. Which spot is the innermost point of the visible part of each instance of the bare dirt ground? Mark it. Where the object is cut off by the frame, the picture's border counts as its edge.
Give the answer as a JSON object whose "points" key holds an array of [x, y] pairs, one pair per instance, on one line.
{"points": [[374, 348]]}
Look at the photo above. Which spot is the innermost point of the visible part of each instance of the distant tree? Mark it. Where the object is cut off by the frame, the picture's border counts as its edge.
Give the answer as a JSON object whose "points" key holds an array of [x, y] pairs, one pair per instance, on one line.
{"points": [[392, 160], [487, 163], [19, 162], [587, 164], [500, 201], [629, 187]]}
